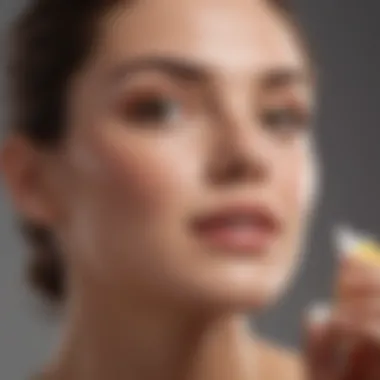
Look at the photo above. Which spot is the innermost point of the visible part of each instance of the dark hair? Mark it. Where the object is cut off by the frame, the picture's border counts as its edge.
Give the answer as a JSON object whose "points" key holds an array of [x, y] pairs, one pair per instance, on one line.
{"points": [[50, 41]]}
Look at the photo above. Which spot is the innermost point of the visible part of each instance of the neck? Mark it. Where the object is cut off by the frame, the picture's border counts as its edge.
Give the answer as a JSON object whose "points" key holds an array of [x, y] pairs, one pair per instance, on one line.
{"points": [[104, 342]]}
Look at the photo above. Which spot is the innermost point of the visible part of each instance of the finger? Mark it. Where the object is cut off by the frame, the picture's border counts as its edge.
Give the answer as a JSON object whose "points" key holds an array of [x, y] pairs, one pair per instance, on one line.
{"points": [[325, 343], [356, 265], [356, 280], [364, 357], [360, 320], [360, 310], [363, 353]]}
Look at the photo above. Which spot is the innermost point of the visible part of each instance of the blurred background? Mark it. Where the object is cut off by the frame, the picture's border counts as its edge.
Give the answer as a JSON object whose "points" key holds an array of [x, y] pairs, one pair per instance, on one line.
{"points": [[344, 35]]}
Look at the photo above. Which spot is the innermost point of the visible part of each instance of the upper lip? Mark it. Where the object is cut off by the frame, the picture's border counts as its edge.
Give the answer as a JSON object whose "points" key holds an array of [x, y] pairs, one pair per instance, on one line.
{"points": [[233, 210]]}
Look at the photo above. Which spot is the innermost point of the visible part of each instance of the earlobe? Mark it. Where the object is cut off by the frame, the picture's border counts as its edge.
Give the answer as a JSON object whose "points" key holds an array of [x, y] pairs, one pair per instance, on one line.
{"points": [[22, 169]]}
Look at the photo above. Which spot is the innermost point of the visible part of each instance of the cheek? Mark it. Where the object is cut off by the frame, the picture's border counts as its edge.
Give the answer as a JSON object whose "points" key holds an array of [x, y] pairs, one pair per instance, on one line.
{"points": [[138, 175], [133, 191], [299, 183]]}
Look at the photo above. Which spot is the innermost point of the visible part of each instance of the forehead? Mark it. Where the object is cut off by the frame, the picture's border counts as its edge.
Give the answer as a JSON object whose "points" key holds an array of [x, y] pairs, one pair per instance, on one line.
{"points": [[226, 35]]}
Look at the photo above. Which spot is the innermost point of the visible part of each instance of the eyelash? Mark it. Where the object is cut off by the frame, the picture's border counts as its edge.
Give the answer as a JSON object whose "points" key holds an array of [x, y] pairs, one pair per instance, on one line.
{"points": [[285, 120], [157, 109], [152, 109]]}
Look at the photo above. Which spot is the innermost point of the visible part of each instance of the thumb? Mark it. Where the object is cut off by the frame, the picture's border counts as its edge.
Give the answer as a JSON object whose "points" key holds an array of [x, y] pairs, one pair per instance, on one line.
{"points": [[320, 343]]}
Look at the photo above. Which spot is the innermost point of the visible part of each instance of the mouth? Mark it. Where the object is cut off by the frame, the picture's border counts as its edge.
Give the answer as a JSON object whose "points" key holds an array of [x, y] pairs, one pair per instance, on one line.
{"points": [[240, 228]]}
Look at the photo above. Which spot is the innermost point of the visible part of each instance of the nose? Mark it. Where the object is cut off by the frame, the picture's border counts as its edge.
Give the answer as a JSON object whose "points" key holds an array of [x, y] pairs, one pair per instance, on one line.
{"points": [[242, 151]]}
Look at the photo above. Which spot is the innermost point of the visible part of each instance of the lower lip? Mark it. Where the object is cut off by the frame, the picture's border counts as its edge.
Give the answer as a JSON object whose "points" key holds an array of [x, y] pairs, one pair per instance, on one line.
{"points": [[246, 240]]}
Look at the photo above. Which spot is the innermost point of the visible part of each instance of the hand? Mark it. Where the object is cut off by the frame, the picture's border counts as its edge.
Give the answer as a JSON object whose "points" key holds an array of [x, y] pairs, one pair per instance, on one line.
{"points": [[344, 340]]}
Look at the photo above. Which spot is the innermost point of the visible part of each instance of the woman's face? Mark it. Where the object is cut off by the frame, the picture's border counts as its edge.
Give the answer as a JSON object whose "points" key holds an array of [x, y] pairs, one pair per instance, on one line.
{"points": [[188, 168]]}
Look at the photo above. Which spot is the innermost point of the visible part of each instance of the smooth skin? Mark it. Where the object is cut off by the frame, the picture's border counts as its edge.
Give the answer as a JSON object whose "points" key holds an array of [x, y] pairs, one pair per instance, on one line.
{"points": [[183, 107]]}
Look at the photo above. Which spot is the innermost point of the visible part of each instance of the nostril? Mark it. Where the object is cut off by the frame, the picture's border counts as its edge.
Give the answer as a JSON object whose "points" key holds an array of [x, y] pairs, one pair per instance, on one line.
{"points": [[238, 166]]}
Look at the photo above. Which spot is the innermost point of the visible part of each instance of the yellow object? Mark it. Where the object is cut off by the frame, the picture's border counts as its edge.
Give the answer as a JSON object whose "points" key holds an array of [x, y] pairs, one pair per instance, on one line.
{"points": [[368, 251], [357, 245]]}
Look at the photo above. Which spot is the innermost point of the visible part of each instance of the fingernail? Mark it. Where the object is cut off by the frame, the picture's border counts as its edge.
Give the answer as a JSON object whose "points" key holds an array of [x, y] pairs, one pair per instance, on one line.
{"points": [[319, 313], [345, 241]]}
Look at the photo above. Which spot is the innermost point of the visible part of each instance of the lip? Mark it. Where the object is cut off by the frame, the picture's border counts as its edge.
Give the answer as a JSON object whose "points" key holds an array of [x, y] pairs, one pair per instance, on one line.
{"points": [[239, 228]]}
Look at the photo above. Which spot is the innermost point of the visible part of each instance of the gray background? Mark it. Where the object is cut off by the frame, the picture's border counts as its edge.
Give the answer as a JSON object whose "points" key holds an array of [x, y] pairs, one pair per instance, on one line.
{"points": [[344, 34]]}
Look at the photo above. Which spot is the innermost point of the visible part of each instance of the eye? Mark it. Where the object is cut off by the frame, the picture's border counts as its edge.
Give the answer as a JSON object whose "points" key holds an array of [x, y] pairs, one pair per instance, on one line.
{"points": [[152, 109], [285, 120]]}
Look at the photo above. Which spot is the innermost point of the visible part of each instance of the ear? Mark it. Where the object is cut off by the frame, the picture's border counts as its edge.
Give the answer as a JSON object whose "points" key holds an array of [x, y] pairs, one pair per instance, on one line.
{"points": [[25, 173]]}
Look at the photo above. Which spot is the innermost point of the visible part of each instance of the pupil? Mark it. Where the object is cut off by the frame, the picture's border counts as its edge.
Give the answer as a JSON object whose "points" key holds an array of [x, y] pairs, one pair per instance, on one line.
{"points": [[155, 109]]}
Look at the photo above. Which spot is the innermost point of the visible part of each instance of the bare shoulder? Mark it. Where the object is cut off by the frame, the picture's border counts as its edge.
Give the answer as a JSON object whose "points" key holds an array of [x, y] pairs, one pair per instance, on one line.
{"points": [[278, 362]]}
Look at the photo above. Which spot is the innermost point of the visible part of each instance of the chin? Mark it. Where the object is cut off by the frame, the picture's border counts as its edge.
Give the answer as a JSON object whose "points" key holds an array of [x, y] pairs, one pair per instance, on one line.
{"points": [[242, 290], [255, 298]]}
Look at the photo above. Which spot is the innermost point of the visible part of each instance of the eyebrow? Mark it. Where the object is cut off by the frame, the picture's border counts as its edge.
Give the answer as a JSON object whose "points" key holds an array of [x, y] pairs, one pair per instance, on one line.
{"points": [[191, 71], [178, 68], [283, 77]]}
